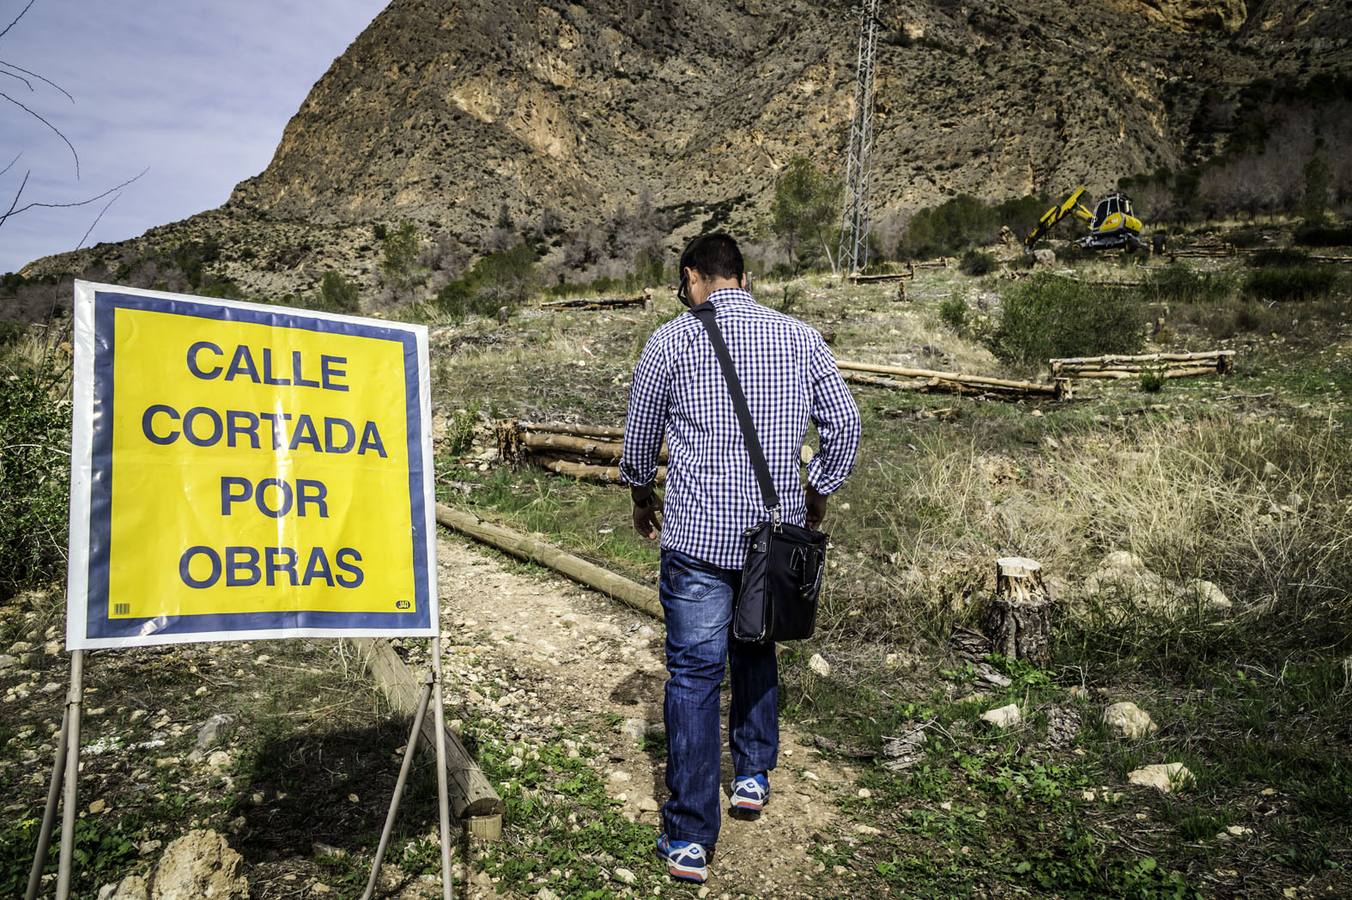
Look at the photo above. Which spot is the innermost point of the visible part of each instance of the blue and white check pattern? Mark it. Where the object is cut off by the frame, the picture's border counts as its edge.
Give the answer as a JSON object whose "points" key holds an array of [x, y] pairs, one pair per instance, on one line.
{"points": [[789, 377]]}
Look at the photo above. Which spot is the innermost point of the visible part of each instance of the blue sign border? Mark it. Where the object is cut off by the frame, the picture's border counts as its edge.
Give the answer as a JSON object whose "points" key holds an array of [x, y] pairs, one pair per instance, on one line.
{"points": [[98, 624]]}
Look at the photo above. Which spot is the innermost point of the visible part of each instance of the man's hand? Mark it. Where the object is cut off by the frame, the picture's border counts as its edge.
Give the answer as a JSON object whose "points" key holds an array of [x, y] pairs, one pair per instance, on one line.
{"points": [[816, 508], [647, 507]]}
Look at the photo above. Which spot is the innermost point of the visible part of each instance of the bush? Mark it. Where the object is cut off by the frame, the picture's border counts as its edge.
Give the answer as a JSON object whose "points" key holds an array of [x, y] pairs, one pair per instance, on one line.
{"points": [[964, 222], [953, 312], [338, 294], [1278, 256], [399, 254], [34, 477], [1320, 235], [977, 262], [503, 279], [1152, 381], [1290, 282], [1179, 284], [1047, 316]]}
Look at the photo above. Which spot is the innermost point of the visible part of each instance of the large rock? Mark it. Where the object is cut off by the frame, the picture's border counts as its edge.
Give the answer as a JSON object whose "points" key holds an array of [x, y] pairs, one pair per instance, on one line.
{"points": [[1003, 717], [1124, 575], [1208, 595], [1164, 777], [133, 887], [1128, 720], [199, 865], [214, 730]]}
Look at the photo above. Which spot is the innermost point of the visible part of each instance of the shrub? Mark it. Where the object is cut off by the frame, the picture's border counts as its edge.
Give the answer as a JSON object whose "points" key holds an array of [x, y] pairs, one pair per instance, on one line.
{"points": [[977, 262], [953, 312], [34, 477], [965, 221], [399, 254], [1277, 256], [1179, 284], [1152, 381], [1047, 316], [506, 278], [338, 294], [1290, 282], [1320, 235]]}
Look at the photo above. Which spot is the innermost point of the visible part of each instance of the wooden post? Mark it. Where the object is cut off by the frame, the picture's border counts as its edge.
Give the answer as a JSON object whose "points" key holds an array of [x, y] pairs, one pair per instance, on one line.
{"points": [[1019, 617]]}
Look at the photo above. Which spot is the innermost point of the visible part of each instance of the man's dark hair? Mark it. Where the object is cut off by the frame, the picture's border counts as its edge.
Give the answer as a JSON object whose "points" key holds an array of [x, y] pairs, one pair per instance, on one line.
{"points": [[714, 256]]}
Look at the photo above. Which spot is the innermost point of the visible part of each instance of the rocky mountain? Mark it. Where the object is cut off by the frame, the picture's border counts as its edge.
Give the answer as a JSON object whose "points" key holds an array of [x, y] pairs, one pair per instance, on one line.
{"points": [[446, 112]]}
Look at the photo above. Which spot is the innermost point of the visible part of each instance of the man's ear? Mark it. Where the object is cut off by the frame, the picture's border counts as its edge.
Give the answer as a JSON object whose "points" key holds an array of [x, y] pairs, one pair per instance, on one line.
{"points": [[743, 283]]}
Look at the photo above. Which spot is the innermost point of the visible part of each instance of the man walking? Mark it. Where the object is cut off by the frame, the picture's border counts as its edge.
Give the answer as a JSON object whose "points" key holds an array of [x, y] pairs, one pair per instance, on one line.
{"points": [[789, 377]]}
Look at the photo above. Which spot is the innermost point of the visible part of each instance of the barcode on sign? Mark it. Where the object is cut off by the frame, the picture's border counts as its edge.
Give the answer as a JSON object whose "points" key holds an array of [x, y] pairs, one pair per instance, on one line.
{"points": [[121, 609]]}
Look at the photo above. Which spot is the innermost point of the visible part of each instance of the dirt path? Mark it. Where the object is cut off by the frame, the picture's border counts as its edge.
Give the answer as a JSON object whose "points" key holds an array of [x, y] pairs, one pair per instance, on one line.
{"points": [[539, 654]]}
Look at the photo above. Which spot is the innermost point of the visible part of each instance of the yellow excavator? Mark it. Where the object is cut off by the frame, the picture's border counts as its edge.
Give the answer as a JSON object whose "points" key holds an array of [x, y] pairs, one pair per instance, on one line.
{"points": [[1112, 224]]}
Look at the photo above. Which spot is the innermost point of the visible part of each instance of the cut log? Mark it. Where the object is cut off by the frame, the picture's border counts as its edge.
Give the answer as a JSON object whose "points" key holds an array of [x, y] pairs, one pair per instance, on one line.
{"points": [[590, 471], [472, 798], [1057, 389], [631, 593], [1018, 619], [593, 303], [591, 431]]}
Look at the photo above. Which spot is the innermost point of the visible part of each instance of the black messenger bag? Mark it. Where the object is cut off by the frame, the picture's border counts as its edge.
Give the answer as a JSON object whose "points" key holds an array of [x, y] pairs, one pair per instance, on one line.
{"points": [[784, 562]]}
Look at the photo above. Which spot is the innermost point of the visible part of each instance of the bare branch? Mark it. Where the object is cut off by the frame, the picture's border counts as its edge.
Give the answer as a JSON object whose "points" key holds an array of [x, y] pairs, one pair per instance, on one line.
{"points": [[43, 79], [17, 195], [11, 162], [23, 12], [96, 220], [49, 125], [20, 77], [111, 190]]}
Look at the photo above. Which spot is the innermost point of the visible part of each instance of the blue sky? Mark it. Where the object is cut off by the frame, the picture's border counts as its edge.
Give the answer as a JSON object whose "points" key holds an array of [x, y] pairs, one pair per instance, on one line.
{"points": [[199, 92]]}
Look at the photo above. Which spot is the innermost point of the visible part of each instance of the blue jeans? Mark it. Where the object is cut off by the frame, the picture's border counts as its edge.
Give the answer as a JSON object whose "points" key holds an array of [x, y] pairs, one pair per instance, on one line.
{"points": [[697, 601]]}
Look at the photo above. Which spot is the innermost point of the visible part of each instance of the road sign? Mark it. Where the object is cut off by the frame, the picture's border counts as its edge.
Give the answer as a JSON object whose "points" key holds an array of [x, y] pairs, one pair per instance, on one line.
{"points": [[243, 471]]}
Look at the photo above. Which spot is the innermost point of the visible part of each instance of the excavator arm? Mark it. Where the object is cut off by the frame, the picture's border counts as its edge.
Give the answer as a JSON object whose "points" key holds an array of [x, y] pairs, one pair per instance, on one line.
{"points": [[1071, 206]]}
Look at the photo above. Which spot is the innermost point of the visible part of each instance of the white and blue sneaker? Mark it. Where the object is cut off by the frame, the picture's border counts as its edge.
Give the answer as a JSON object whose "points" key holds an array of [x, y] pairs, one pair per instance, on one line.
{"points": [[750, 792], [686, 860]]}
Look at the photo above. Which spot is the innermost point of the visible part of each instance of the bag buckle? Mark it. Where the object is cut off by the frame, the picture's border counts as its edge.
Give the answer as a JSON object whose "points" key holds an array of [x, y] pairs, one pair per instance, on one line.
{"points": [[775, 519]]}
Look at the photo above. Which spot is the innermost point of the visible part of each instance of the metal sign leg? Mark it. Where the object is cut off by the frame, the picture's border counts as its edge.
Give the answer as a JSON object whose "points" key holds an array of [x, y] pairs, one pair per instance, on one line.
{"points": [[443, 801], [71, 800], [49, 816], [399, 789]]}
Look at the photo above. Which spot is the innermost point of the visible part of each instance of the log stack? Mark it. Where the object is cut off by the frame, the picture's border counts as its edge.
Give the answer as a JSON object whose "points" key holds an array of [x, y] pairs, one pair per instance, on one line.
{"points": [[907, 275], [927, 380], [1165, 365], [588, 452]]}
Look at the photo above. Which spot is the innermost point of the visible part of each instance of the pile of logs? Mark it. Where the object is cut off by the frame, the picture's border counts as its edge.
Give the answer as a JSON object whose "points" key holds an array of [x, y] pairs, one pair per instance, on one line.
{"points": [[1164, 365], [887, 276], [926, 380], [589, 452], [641, 301], [1205, 249]]}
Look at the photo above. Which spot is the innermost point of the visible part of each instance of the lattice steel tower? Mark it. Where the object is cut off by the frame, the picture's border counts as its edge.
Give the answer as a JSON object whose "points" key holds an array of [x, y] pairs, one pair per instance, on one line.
{"points": [[854, 225]]}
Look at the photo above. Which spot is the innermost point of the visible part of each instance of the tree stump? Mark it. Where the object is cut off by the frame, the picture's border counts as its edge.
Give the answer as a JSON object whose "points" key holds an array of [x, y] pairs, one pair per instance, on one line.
{"points": [[1019, 617]]}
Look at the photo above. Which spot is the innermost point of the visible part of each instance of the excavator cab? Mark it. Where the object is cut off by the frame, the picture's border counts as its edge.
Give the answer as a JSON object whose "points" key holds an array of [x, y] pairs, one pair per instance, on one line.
{"points": [[1112, 224]]}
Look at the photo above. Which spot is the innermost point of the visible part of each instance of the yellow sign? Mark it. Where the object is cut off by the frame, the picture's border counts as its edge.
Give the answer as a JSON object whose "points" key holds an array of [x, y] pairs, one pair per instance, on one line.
{"points": [[244, 471]]}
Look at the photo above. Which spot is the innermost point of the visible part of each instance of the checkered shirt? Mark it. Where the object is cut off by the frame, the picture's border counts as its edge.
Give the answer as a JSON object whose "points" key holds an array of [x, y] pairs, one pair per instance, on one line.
{"points": [[788, 376]]}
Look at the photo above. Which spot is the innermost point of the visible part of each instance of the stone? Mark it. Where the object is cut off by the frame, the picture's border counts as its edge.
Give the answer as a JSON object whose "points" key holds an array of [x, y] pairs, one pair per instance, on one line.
{"points": [[133, 887], [634, 729], [97, 807], [625, 876], [868, 830], [8, 662], [546, 894], [199, 864], [819, 666], [647, 805], [619, 776], [1164, 777], [214, 730], [219, 761], [1208, 595], [1003, 717], [1127, 720], [1124, 574], [1043, 256]]}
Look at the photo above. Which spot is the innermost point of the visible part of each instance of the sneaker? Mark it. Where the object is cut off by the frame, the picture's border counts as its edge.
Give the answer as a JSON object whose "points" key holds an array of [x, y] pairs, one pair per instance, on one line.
{"points": [[686, 860], [750, 792]]}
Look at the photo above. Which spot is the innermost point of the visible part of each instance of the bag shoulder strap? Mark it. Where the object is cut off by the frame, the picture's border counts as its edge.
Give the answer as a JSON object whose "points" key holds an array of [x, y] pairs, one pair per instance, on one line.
{"points": [[705, 313]]}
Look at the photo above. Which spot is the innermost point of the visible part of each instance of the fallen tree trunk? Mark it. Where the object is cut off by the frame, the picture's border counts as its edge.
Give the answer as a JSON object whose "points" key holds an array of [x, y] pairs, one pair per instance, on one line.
{"points": [[631, 593], [1137, 373], [592, 303], [591, 471], [972, 383], [591, 431], [472, 798]]}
